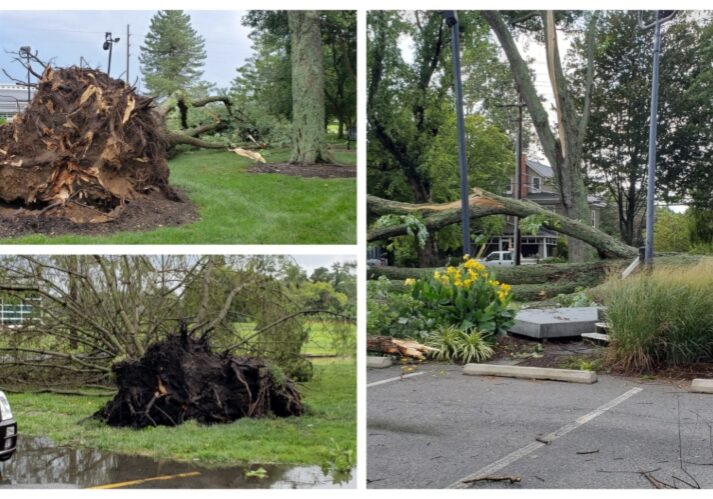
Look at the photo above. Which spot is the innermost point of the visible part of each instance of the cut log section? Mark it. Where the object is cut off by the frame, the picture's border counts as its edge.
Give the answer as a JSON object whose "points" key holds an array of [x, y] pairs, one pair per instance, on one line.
{"points": [[394, 346]]}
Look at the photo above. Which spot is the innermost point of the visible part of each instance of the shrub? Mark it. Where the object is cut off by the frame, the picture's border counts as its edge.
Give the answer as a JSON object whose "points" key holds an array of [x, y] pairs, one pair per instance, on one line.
{"points": [[456, 345], [397, 314], [661, 319], [465, 297]]}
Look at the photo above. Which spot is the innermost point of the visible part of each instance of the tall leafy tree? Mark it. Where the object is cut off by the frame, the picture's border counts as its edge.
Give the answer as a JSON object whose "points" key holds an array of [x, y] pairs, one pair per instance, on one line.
{"points": [[411, 118], [173, 53], [616, 142]]}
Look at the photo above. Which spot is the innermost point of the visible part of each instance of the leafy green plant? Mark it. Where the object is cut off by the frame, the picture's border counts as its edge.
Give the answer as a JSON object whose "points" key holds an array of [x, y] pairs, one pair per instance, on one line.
{"points": [[466, 297], [456, 345], [662, 318], [394, 313]]}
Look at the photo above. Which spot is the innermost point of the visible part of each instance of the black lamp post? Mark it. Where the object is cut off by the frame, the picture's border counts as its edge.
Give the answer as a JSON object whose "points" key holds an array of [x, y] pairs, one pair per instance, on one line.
{"points": [[108, 45], [451, 18], [26, 52], [660, 17]]}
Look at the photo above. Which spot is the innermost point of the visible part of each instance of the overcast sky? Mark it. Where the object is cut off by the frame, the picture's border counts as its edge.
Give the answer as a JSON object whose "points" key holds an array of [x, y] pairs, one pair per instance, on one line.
{"points": [[311, 262], [67, 35]]}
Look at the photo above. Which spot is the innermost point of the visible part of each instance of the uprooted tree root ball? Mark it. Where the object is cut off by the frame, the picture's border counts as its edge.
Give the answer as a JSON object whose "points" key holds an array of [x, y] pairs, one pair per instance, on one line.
{"points": [[181, 378], [85, 146]]}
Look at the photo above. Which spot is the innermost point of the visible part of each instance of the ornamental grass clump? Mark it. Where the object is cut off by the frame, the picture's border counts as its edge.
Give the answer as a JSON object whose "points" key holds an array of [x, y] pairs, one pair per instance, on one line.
{"points": [[661, 319], [465, 297]]}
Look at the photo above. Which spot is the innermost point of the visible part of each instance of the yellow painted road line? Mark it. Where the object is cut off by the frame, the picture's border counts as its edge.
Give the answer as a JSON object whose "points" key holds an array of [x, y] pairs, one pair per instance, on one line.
{"points": [[119, 485]]}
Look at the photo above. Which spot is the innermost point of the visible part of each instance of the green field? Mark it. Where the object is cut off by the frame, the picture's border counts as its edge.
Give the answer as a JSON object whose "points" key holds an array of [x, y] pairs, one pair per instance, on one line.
{"points": [[325, 434], [237, 207]]}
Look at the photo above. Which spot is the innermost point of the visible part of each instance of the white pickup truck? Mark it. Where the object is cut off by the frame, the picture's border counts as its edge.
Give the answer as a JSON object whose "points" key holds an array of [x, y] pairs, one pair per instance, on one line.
{"points": [[504, 259]]}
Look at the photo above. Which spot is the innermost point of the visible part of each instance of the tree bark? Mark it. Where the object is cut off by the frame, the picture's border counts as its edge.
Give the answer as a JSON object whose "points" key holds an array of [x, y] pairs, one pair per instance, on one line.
{"points": [[308, 112], [482, 203], [564, 150]]}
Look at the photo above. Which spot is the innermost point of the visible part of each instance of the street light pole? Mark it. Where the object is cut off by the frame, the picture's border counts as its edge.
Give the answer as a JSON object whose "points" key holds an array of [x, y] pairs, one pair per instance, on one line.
{"points": [[451, 19], [109, 45], [651, 181]]}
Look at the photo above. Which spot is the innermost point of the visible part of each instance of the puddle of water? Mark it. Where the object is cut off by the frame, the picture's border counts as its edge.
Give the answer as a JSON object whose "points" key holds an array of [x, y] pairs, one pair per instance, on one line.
{"points": [[40, 463]]}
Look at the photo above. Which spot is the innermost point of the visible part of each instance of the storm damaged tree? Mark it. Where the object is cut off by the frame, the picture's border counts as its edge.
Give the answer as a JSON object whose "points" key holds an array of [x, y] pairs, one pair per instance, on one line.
{"points": [[308, 108], [563, 146], [90, 313], [87, 144]]}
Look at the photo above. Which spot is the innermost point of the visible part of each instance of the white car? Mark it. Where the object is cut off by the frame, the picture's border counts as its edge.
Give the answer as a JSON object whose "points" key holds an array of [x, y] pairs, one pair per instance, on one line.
{"points": [[8, 429], [504, 259]]}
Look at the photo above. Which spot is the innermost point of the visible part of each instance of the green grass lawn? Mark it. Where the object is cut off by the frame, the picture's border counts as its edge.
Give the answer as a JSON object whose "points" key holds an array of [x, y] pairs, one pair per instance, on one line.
{"points": [[237, 207], [321, 339], [328, 429]]}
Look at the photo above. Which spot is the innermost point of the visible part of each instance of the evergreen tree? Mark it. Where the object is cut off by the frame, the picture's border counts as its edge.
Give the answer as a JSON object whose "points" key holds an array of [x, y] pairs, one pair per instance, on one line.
{"points": [[173, 53]]}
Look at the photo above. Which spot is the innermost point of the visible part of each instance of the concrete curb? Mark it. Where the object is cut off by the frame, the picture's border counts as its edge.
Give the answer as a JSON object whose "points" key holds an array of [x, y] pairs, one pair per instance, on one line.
{"points": [[587, 377], [378, 362], [702, 385]]}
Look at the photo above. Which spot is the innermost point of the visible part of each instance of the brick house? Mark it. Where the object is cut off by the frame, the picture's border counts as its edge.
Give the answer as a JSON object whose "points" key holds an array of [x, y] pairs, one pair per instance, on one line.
{"points": [[537, 184]]}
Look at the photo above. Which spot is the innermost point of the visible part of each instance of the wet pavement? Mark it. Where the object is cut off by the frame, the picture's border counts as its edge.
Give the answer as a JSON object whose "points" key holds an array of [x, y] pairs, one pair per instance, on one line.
{"points": [[38, 463]]}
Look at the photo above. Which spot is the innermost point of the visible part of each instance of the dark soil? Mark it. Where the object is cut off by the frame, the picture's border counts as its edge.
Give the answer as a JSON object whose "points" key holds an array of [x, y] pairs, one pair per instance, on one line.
{"points": [[557, 353], [181, 378], [146, 212], [309, 171]]}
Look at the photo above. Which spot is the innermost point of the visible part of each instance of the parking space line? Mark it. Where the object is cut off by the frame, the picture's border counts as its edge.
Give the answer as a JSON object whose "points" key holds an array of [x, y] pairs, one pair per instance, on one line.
{"points": [[384, 381], [120, 485], [528, 449]]}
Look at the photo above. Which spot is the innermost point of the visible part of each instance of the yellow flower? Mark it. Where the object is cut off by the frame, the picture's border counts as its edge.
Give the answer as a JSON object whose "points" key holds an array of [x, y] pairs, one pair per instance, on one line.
{"points": [[437, 274], [410, 281], [466, 257], [451, 270], [473, 264]]}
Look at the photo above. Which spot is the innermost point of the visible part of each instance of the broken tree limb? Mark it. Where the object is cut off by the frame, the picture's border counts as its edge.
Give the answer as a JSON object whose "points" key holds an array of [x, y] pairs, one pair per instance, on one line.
{"points": [[395, 346], [483, 203]]}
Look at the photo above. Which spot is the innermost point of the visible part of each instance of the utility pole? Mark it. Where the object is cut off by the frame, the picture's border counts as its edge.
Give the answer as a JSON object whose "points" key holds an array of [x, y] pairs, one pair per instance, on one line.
{"points": [[451, 19], [660, 17], [518, 175], [128, 53]]}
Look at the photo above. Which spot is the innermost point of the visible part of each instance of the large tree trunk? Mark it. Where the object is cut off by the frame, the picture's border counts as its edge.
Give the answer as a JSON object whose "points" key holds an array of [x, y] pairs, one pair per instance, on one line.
{"points": [[308, 114], [482, 203], [564, 149]]}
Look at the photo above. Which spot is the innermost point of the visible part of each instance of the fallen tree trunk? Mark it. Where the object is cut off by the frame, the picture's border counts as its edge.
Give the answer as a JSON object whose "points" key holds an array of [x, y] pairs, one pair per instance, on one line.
{"points": [[181, 378], [523, 274], [394, 346], [483, 203]]}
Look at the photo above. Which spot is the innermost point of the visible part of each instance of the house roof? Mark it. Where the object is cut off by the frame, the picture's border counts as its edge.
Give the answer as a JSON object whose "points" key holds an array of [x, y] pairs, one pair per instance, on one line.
{"points": [[540, 168]]}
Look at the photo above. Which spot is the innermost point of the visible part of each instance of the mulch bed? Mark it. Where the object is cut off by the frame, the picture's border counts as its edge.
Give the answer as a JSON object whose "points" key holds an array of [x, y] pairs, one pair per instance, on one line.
{"points": [[308, 171], [551, 353], [144, 213]]}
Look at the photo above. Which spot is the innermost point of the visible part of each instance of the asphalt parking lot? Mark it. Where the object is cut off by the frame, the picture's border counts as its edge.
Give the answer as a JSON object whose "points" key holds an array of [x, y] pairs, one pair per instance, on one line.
{"points": [[437, 428]]}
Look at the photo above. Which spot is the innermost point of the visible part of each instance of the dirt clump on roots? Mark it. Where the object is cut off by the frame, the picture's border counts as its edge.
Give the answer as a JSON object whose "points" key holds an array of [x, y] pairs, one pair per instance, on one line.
{"points": [[85, 146], [181, 379]]}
